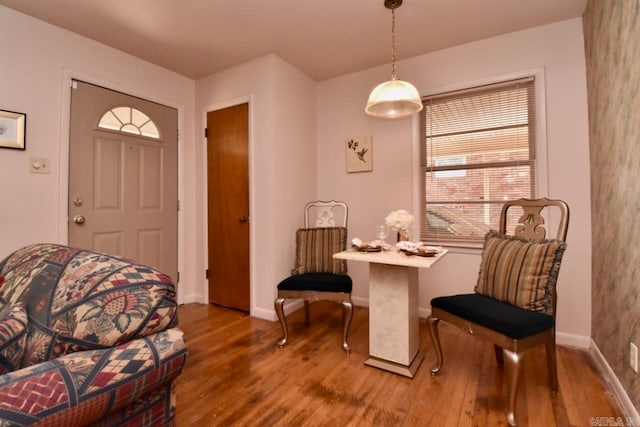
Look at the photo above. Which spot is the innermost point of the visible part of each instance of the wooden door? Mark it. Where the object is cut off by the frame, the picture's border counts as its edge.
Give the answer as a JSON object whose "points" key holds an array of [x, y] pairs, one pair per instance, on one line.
{"points": [[123, 177], [228, 206]]}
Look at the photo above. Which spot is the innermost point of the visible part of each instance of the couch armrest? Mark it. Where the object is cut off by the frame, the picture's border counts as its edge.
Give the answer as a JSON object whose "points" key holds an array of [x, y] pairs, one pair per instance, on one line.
{"points": [[82, 387]]}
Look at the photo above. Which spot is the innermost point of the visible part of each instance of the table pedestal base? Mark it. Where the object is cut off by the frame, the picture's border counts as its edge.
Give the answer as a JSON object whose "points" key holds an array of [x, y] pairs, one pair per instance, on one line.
{"points": [[406, 370], [394, 324], [393, 318]]}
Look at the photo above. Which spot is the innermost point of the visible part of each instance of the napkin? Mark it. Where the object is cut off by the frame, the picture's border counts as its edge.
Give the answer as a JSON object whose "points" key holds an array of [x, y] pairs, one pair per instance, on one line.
{"points": [[364, 245]]}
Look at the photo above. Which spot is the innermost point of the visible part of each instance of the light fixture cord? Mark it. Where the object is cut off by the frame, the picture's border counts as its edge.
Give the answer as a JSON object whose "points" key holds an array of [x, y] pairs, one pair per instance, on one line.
{"points": [[393, 43]]}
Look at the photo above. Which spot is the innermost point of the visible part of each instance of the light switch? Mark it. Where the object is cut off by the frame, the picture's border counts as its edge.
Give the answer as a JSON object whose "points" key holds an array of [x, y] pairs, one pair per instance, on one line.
{"points": [[39, 165]]}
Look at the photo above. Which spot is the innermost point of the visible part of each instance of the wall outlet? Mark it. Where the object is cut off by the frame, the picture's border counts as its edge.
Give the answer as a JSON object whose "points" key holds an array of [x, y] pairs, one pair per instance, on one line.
{"points": [[633, 356]]}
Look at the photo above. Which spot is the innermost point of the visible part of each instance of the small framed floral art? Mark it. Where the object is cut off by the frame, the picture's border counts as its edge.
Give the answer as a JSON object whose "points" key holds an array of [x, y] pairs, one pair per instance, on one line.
{"points": [[359, 154]]}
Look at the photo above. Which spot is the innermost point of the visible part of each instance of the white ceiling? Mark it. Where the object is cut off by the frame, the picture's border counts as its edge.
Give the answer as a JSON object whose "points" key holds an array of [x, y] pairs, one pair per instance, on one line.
{"points": [[322, 38]]}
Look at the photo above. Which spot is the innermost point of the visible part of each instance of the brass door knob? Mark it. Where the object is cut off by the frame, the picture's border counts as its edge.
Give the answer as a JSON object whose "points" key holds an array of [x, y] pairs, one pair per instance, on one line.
{"points": [[79, 219]]}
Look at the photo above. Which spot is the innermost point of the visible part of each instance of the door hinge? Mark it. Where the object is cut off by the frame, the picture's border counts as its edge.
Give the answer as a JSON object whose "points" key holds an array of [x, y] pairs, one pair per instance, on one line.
{"points": [[206, 273], [206, 132], [178, 277], [178, 205]]}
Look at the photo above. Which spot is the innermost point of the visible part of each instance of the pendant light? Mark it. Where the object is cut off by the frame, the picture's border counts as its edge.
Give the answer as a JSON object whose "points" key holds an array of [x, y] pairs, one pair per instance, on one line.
{"points": [[393, 98]]}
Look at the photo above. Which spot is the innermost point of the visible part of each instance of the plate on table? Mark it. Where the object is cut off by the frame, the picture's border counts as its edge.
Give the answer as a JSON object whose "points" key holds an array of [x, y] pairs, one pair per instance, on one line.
{"points": [[367, 248], [426, 253]]}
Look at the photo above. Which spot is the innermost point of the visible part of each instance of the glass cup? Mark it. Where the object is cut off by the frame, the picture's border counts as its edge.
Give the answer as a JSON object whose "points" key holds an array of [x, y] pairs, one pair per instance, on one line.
{"points": [[381, 233]]}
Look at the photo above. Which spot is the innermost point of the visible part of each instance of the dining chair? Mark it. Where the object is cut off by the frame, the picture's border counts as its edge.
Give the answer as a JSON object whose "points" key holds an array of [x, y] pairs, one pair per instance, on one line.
{"points": [[316, 275], [514, 303]]}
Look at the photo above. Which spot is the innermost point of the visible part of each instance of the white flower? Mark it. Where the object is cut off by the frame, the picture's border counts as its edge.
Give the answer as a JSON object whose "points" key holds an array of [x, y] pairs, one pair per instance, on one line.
{"points": [[399, 220]]}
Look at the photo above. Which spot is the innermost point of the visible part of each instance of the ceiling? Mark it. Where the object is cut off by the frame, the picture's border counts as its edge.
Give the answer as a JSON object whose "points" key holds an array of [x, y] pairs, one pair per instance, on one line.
{"points": [[322, 38]]}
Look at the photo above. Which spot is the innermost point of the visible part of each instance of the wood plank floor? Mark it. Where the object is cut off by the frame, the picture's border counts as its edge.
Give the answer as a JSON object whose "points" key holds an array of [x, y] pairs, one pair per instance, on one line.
{"points": [[237, 375]]}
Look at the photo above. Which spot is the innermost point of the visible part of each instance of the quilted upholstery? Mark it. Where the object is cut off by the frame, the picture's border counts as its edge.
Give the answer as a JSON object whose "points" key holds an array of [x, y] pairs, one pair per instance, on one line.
{"points": [[101, 346], [80, 300], [13, 335]]}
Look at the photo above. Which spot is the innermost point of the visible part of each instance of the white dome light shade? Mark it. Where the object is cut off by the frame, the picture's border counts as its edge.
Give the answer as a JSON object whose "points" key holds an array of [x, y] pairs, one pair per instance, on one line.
{"points": [[393, 99]]}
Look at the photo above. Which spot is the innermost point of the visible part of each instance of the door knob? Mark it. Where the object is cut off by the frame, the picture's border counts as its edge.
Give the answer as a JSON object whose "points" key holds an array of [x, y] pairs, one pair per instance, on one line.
{"points": [[244, 219], [78, 219]]}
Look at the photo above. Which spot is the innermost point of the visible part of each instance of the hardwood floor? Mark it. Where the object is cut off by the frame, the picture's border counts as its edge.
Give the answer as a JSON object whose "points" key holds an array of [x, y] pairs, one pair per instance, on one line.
{"points": [[237, 375]]}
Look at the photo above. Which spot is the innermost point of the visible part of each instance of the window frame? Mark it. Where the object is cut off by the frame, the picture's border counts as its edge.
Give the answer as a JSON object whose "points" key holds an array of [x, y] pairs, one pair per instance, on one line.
{"points": [[130, 122], [540, 179]]}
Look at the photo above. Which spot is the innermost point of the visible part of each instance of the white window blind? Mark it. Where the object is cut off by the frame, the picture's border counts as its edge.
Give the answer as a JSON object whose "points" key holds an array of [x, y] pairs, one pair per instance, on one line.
{"points": [[478, 152]]}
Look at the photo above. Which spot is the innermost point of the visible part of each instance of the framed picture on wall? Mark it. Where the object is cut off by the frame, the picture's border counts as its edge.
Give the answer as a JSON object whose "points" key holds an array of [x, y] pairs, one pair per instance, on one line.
{"points": [[12, 130], [359, 154]]}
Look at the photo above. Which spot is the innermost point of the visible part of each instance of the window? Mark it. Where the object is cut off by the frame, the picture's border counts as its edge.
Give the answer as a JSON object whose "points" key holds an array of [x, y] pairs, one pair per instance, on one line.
{"points": [[448, 161], [129, 120], [478, 151]]}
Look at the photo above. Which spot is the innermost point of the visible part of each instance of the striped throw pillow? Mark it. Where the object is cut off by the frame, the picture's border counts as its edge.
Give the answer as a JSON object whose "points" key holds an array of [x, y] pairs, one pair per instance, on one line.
{"points": [[315, 247], [520, 272]]}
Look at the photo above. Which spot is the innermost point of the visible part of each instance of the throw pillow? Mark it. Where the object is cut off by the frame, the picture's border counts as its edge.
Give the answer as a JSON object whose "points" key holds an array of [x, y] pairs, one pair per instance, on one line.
{"points": [[13, 335], [520, 272], [315, 247]]}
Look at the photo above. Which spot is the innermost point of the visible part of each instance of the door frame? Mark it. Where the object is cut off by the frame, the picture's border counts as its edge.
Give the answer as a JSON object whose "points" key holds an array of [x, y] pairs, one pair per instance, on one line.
{"points": [[63, 161], [205, 209]]}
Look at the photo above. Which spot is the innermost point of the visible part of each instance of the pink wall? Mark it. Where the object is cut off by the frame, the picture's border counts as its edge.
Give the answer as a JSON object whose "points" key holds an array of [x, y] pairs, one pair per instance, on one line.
{"points": [[38, 61], [298, 128], [282, 166], [557, 50]]}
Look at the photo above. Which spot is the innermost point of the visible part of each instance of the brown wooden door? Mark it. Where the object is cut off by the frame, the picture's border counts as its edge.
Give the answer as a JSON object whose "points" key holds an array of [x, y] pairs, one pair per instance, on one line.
{"points": [[123, 186], [228, 206]]}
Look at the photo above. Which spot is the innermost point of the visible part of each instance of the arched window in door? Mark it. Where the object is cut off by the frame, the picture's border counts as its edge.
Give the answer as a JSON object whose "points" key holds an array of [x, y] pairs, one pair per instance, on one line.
{"points": [[129, 120]]}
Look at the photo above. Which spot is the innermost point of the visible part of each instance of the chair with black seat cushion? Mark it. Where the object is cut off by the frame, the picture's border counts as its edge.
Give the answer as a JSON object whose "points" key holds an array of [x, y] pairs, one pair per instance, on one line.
{"points": [[514, 304], [317, 276]]}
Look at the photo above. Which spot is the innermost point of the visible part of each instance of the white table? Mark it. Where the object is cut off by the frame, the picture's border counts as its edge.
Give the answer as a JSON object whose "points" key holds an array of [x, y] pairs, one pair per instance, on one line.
{"points": [[393, 308]]}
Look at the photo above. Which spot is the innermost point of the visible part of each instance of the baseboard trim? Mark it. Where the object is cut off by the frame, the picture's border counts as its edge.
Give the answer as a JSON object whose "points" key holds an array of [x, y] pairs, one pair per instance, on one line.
{"points": [[261, 313], [571, 340], [629, 410], [193, 298], [360, 301], [291, 306]]}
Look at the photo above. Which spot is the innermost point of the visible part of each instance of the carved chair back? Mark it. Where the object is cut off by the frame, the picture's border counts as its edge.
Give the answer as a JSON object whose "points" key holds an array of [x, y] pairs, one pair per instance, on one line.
{"points": [[320, 214]]}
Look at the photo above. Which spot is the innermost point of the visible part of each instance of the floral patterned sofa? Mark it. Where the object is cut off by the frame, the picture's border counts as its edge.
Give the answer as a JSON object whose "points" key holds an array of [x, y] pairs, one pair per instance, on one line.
{"points": [[86, 339]]}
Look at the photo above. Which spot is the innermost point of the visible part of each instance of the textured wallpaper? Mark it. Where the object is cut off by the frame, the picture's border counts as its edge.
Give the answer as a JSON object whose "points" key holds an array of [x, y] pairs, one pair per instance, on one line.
{"points": [[612, 46]]}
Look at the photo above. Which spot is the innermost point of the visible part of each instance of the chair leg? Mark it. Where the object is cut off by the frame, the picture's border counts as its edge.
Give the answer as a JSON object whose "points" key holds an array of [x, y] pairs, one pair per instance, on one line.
{"points": [[279, 306], [435, 339], [307, 316], [550, 347], [513, 366], [347, 315], [499, 356]]}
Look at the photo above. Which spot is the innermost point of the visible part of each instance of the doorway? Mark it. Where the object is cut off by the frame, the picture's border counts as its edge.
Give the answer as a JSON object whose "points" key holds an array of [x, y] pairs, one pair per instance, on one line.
{"points": [[228, 206], [123, 176]]}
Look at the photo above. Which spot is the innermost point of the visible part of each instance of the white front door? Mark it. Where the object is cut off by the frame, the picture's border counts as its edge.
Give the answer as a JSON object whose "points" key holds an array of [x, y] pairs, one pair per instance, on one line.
{"points": [[123, 176]]}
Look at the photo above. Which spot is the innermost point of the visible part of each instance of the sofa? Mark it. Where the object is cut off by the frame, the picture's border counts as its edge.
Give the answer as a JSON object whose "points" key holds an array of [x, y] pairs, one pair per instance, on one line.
{"points": [[86, 339]]}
